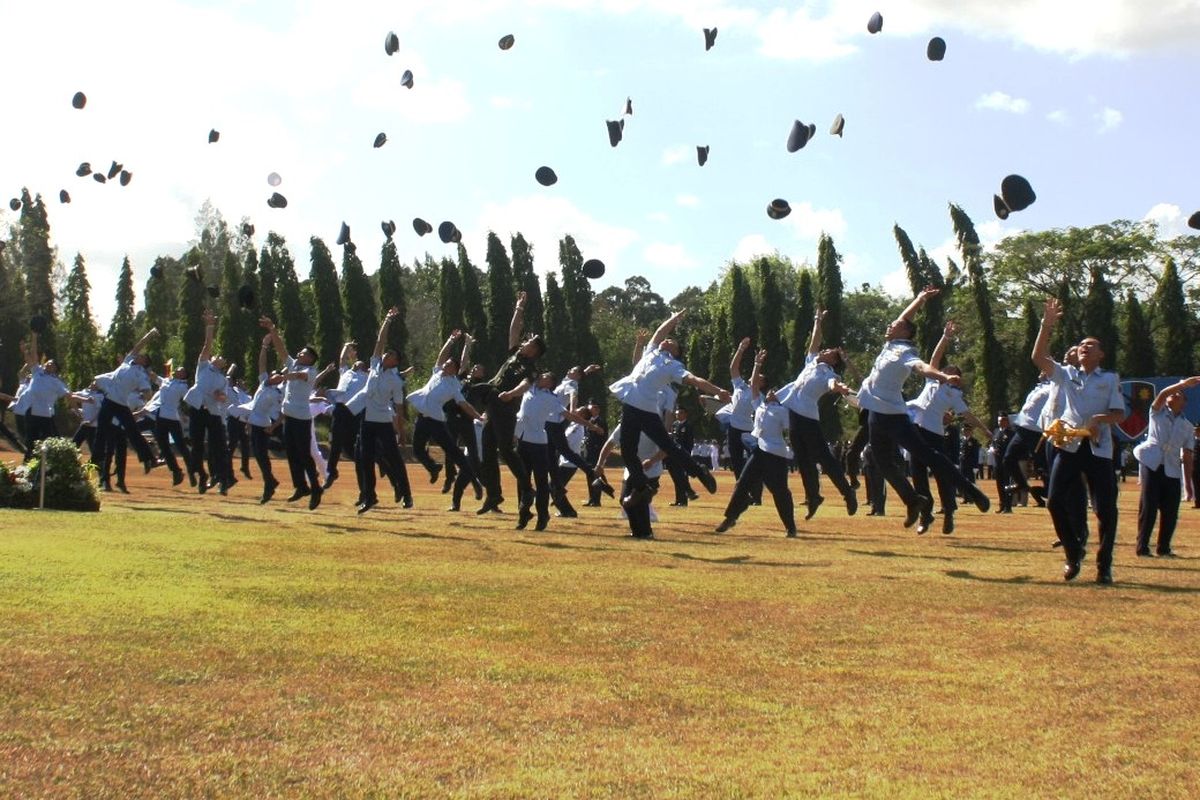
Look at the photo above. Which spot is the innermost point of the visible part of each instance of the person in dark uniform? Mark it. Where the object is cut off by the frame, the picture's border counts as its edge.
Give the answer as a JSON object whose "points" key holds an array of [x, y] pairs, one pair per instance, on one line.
{"points": [[344, 426], [685, 438], [592, 444], [507, 386], [1002, 437], [466, 430]]}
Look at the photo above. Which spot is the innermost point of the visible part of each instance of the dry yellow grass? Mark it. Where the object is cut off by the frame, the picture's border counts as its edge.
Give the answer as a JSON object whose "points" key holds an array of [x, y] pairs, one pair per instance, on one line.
{"points": [[177, 645]]}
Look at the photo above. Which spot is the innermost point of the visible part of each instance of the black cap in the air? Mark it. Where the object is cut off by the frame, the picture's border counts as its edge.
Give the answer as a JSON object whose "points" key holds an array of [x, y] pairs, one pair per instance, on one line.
{"points": [[193, 273], [936, 49], [507, 41], [593, 268], [391, 43], [247, 229], [276, 200], [545, 176], [156, 271], [64, 196], [799, 136], [629, 106], [344, 234], [114, 170], [1194, 221], [98, 177], [84, 170], [421, 226], [449, 233], [79, 100], [702, 154], [214, 292], [1017, 193], [380, 140], [126, 177], [407, 79], [389, 228], [214, 136], [875, 23], [778, 208], [1000, 206], [14, 204], [615, 131], [710, 38]]}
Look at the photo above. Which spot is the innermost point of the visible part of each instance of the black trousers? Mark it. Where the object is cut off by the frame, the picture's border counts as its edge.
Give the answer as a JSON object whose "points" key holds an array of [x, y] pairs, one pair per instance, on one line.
{"points": [[38, 428], [427, 428], [297, 443], [12, 437], [104, 425], [764, 469], [638, 515], [377, 442], [499, 444], [635, 422], [679, 479], [1020, 448], [920, 473], [1159, 500], [889, 431], [556, 441], [536, 457], [116, 455], [237, 437], [166, 431], [84, 433], [260, 443], [810, 450], [204, 427], [737, 450], [344, 428], [462, 431], [1067, 477], [875, 484]]}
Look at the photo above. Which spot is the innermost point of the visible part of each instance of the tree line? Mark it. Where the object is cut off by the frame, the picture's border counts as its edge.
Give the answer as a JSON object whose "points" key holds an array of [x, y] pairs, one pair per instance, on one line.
{"points": [[1119, 281]]}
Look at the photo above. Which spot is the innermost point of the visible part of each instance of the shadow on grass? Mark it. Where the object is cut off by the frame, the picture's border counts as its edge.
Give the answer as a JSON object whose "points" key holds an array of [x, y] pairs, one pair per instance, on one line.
{"points": [[989, 548], [963, 574], [745, 561], [893, 554]]}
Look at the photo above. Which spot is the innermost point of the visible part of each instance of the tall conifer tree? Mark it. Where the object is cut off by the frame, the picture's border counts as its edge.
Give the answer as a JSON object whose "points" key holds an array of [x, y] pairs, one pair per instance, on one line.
{"points": [[770, 324], [527, 281], [450, 300], [190, 330], [1173, 324], [806, 304], [80, 337], [391, 293], [743, 317], [991, 355], [121, 333], [474, 316], [558, 325], [37, 263], [295, 322], [328, 302], [1100, 316], [362, 317], [830, 291], [502, 298], [1137, 357]]}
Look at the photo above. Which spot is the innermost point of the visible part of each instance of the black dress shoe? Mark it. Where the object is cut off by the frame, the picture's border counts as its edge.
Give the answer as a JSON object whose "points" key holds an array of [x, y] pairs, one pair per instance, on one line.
{"points": [[923, 525], [791, 533], [366, 506], [268, 490], [947, 524], [122, 488], [692, 495], [192, 478], [524, 515], [542, 522], [176, 478], [725, 525], [851, 504], [1038, 494], [708, 482], [642, 535], [1104, 577], [333, 476], [314, 499], [296, 495], [434, 472], [1166, 554], [454, 507], [813, 504], [447, 484], [489, 505], [1143, 552], [918, 508], [406, 501], [1071, 569], [981, 500], [678, 505]]}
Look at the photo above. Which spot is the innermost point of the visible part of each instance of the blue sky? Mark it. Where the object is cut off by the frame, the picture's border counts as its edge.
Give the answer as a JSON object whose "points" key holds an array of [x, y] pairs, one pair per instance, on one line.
{"points": [[1092, 101]]}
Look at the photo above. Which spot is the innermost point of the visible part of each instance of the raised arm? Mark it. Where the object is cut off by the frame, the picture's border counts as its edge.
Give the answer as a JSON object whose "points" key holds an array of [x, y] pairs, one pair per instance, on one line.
{"points": [[911, 310], [345, 357], [939, 352], [444, 353], [142, 342], [814, 341], [1160, 399], [276, 339], [639, 344], [330, 368], [709, 388], [262, 354], [1041, 348], [31, 351], [665, 329], [469, 409], [382, 339], [464, 361], [210, 327], [735, 363], [518, 322], [759, 358]]}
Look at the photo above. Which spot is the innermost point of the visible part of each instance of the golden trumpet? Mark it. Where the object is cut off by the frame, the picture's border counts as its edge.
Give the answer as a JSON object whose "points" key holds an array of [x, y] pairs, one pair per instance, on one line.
{"points": [[1063, 434]]}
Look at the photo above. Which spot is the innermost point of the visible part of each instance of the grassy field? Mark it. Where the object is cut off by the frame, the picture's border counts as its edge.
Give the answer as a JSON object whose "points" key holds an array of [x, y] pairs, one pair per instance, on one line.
{"points": [[177, 645]]}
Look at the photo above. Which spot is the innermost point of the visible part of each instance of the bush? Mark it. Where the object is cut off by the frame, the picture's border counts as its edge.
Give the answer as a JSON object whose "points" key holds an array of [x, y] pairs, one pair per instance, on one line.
{"points": [[69, 485]]}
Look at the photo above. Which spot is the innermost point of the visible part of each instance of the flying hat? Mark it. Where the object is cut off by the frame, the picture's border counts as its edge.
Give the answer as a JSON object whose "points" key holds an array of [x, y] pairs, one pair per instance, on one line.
{"points": [[214, 292], [1017, 193], [799, 136], [14, 204], [64, 196], [247, 229], [274, 179], [615, 130], [1000, 206], [79, 100], [380, 140], [344, 234], [839, 125], [245, 297], [98, 177], [391, 43], [710, 38], [448, 233], [126, 177], [778, 208], [277, 200], [507, 41], [1194, 221], [545, 176], [421, 226], [629, 106], [156, 271], [389, 228], [84, 170], [702, 154], [875, 24], [214, 136], [407, 78], [936, 49], [593, 268], [37, 323], [115, 170]]}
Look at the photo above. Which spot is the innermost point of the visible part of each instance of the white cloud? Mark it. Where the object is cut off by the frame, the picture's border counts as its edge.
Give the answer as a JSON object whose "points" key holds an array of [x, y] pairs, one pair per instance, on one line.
{"points": [[668, 256], [796, 35], [999, 101], [1109, 119], [505, 103], [1059, 116], [809, 223], [676, 154], [687, 200], [1169, 218], [658, 216], [752, 246], [895, 283]]}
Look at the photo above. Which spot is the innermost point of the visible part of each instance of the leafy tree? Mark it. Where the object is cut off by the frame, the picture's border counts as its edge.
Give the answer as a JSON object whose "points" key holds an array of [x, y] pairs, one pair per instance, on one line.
{"points": [[743, 316], [450, 300], [253, 339], [161, 301], [502, 299], [1172, 324], [233, 324], [268, 272], [327, 300], [637, 302], [558, 325], [1100, 317], [527, 281], [79, 334], [577, 291], [293, 319], [770, 324], [474, 317], [362, 317], [13, 317], [802, 324], [191, 314], [993, 369], [1027, 373], [1137, 356], [718, 365], [121, 333], [391, 293], [830, 290], [37, 262]]}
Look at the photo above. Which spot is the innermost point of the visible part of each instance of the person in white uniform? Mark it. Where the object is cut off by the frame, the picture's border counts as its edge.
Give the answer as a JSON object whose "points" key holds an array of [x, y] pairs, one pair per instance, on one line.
{"points": [[1160, 466], [300, 378]]}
